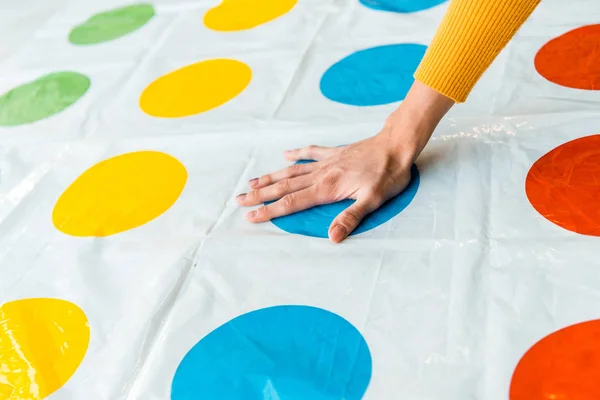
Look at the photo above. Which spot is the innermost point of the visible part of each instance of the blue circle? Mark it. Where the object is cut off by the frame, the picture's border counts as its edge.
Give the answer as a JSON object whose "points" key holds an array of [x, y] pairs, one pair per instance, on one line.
{"points": [[316, 221], [375, 76], [401, 6], [282, 352]]}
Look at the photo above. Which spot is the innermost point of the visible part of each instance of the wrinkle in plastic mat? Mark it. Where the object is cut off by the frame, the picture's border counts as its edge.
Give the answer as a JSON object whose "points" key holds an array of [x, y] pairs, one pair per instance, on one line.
{"points": [[127, 271]]}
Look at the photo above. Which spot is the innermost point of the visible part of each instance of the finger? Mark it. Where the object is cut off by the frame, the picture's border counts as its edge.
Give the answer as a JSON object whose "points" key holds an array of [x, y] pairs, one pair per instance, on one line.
{"points": [[276, 190], [316, 153], [349, 219], [290, 172], [288, 204]]}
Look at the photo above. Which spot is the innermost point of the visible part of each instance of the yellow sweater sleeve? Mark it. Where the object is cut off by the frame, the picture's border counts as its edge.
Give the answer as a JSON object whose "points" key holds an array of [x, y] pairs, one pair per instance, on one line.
{"points": [[469, 38]]}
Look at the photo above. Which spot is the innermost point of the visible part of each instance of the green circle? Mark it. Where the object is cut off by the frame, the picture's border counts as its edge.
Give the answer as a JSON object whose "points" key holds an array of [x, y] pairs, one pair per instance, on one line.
{"points": [[111, 24], [42, 98]]}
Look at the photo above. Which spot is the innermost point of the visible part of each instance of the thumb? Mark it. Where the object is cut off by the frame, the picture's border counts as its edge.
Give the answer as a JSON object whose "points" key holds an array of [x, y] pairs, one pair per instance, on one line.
{"points": [[349, 219]]}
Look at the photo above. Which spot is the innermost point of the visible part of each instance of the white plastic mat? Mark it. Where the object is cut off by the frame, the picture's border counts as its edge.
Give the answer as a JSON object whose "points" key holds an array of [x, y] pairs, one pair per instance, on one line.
{"points": [[442, 301]]}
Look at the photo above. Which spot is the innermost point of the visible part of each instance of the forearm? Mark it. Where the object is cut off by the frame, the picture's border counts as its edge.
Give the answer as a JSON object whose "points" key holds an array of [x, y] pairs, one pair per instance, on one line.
{"points": [[410, 127], [469, 38]]}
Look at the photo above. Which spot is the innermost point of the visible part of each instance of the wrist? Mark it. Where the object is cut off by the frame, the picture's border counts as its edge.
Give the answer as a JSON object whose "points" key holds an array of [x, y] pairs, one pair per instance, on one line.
{"points": [[410, 126], [404, 140]]}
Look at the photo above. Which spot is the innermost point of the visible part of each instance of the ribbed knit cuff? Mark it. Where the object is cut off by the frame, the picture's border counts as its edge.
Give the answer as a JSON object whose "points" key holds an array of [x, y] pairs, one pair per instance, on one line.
{"points": [[470, 37]]}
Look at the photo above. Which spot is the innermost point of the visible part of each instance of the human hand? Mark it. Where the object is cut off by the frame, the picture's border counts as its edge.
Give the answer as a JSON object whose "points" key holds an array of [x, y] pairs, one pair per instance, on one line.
{"points": [[371, 171]]}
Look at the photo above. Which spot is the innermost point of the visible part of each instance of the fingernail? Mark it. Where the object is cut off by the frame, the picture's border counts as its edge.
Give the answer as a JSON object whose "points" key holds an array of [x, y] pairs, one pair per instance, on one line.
{"points": [[253, 182], [250, 215], [241, 197], [338, 233]]}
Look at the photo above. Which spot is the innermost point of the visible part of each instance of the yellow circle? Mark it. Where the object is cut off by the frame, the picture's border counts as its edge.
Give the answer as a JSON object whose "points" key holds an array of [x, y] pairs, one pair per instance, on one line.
{"points": [[119, 194], [42, 342], [237, 15], [195, 88]]}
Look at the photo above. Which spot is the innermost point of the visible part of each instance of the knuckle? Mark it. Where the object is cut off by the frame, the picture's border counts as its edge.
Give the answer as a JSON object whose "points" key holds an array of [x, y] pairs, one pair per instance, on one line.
{"points": [[328, 186], [330, 178], [294, 169], [261, 212], [252, 195], [324, 168], [282, 185], [288, 201], [351, 217], [265, 180]]}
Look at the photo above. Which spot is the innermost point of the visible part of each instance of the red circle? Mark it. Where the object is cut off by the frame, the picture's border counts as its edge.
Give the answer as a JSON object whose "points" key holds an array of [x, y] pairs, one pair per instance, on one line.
{"points": [[564, 185], [562, 366], [572, 59]]}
